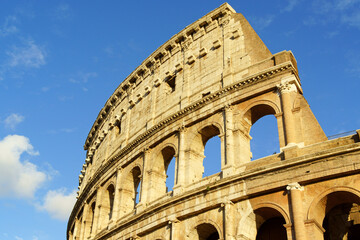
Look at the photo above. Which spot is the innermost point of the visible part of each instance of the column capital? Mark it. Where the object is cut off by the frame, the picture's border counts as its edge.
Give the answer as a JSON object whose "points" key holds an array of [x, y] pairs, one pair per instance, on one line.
{"points": [[182, 129], [294, 186], [286, 87]]}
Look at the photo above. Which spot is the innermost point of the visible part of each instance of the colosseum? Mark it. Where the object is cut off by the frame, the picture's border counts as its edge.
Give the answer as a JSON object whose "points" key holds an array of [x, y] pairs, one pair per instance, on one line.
{"points": [[214, 78]]}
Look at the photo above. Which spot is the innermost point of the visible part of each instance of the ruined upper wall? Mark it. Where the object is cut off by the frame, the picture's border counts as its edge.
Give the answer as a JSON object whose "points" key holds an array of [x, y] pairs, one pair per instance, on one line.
{"points": [[217, 50]]}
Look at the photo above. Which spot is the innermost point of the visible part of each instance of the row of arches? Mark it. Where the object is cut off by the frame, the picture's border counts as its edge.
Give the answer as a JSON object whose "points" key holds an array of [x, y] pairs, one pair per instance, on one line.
{"points": [[333, 215], [164, 171]]}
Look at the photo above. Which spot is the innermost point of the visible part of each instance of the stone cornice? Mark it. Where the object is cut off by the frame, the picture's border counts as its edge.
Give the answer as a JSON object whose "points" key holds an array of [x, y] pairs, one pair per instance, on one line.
{"points": [[249, 81]]}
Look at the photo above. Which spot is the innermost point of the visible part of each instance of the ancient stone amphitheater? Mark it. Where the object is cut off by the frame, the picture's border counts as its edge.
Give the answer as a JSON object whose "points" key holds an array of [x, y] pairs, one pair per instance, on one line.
{"points": [[214, 78]]}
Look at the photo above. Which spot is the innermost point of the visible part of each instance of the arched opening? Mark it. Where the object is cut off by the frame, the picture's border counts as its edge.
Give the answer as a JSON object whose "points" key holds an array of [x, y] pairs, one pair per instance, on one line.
{"points": [[212, 160], [107, 205], [270, 224], [170, 175], [168, 168], [342, 222], [89, 220], [162, 173], [265, 137], [210, 147], [136, 173], [111, 192], [130, 191], [207, 231], [339, 214]]}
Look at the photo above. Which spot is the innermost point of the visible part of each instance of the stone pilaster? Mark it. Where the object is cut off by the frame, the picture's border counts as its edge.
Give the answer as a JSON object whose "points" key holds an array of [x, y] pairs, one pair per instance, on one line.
{"points": [[181, 167], [286, 88], [229, 220], [296, 210], [228, 166], [116, 209], [96, 225]]}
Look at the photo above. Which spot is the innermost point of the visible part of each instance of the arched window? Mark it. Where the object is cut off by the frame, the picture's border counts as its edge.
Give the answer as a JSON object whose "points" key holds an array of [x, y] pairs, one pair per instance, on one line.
{"points": [[201, 166], [162, 173], [265, 137], [168, 171], [207, 231], [212, 160], [89, 220], [130, 192], [136, 173], [107, 205], [170, 175], [269, 224], [111, 194], [342, 221], [339, 214], [211, 148]]}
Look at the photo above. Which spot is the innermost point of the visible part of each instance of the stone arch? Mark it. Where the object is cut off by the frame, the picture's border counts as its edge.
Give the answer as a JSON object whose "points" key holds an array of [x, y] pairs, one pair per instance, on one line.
{"points": [[89, 220], [252, 112], [258, 109], [205, 230], [339, 201], [196, 147], [158, 173], [107, 204], [264, 213], [128, 192]]}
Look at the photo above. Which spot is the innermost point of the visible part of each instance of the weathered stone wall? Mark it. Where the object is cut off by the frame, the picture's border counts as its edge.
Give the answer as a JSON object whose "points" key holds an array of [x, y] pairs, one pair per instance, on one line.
{"points": [[214, 78]]}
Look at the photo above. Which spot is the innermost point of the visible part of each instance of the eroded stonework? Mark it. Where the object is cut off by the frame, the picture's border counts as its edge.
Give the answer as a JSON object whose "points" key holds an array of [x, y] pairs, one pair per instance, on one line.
{"points": [[214, 78]]}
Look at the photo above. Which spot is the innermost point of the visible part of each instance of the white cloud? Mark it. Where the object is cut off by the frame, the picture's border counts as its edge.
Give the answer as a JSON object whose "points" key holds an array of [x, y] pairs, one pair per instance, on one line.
{"points": [[59, 204], [13, 120], [18, 178], [8, 26], [18, 238], [29, 55]]}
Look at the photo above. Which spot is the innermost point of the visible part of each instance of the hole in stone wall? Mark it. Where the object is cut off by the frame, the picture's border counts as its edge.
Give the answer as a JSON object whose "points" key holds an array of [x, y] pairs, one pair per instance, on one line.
{"points": [[212, 160], [171, 83], [265, 137], [117, 126]]}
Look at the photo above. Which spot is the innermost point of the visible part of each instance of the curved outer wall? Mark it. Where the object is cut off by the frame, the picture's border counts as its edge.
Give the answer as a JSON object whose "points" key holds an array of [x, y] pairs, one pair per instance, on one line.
{"points": [[214, 78]]}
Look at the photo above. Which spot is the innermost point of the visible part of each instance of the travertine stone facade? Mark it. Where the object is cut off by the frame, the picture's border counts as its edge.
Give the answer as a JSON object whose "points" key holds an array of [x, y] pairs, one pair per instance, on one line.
{"points": [[214, 78]]}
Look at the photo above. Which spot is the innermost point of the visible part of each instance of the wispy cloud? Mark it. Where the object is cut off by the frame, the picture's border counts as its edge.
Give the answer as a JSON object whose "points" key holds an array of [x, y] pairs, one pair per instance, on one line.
{"points": [[13, 120], [82, 79], [290, 6], [65, 98], [8, 26], [18, 178], [262, 22], [63, 12], [29, 55], [62, 130], [344, 11], [58, 203]]}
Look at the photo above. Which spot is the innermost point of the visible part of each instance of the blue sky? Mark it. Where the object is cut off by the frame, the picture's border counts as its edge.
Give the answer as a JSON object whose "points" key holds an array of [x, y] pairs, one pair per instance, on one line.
{"points": [[61, 60]]}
